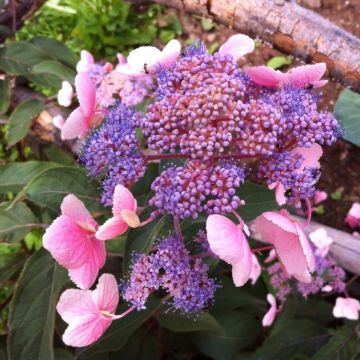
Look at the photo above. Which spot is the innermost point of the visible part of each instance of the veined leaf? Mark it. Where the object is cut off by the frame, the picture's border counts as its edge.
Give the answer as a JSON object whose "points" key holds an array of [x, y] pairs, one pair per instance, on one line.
{"points": [[32, 310]]}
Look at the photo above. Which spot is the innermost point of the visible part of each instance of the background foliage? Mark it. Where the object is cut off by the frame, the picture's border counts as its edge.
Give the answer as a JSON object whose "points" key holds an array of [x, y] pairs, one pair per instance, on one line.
{"points": [[33, 183]]}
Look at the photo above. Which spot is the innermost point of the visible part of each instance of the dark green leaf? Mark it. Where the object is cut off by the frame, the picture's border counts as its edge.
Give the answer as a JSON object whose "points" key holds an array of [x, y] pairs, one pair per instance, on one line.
{"points": [[14, 176], [180, 323], [316, 310], [51, 186], [229, 297], [10, 264], [120, 331], [257, 200], [4, 95], [59, 71], [57, 155], [21, 118], [299, 337], [61, 354], [17, 58], [240, 331], [285, 316], [16, 222], [55, 50], [32, 310], [347, 110], [343, 345], [140, 240]]}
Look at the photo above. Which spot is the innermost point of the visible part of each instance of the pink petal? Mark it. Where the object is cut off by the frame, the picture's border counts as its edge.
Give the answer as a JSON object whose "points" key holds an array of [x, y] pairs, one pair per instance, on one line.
{"points": [[241, 270], [356, 234], [106, 294], [75, 126], [271, 257], [290, 243], [85, 275], [347, 308], [265, 76], [319, 196], [225, 238], [121, 59], [312, 155], [269, 317], [320, 83], [74, 303], [322, 241], [86, 93], [85, 330], [126, 69], [255, 269], [280, 194], [237, 46], [67, 242], [123, 199], [58, 121], [65, 94], [113, 227], [86, 61], [75, 209], [302, 76], [108, 67], [353, 216], [170, 54]]}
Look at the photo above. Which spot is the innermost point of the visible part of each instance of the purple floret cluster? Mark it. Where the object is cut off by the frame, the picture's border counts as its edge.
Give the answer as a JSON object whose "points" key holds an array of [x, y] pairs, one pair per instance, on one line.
{"points": [[327, 273], [206, 111], [112, 151], [195, 188], [171, 268]]}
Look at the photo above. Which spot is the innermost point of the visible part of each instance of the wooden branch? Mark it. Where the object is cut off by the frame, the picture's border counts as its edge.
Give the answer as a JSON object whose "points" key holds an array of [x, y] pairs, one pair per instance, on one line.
{"points": [[15, 14], [289, 27], [345, 249]]}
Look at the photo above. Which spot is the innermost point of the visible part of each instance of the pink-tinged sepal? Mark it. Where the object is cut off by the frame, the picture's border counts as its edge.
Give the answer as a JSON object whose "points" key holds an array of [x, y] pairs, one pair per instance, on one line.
{"points": [[347, 308], [290, 242], [269, 317], [237, 46], [86, 61], [88, 313], [266, 76]]}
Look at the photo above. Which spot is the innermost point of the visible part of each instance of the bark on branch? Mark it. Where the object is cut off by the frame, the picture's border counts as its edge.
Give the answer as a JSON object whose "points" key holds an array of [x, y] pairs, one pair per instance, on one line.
{"points": [[289, 27], [15, 13]]}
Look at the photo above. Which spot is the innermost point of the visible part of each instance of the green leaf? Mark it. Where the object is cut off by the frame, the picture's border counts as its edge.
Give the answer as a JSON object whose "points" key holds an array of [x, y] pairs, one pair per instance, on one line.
{"points": [[55, 50], [51, 186], [21, 118], [285, 316], [279, 61], [141, 240], [59, 71], [10, 264], [228, 297], [120, 331], [16, 222], [316, 310], [347, 110], [32, 310], [17, 58], [343, 345], [14, 176], [240, 330], [257, 200], [182, 324], [4, 95], [299, 337], [57, 155]]}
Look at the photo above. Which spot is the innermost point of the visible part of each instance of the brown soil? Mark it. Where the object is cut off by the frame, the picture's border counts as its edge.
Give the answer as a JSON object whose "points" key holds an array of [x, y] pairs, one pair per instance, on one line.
{"points": [[341, 162]]}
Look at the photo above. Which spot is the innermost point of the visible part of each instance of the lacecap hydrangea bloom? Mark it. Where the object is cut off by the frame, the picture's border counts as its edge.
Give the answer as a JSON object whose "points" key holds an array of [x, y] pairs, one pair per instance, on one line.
{"points": [[213, 119]]}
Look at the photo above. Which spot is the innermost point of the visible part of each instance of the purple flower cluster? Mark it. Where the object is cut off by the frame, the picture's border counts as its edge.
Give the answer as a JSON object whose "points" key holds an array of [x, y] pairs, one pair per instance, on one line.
{"points": [[112, 151], [326, 273], [285, 168], [206, 106], [171, 268], [198, 187]]}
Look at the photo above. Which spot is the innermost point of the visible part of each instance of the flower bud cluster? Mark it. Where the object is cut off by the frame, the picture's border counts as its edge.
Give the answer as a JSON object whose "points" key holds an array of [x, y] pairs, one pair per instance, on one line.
{"points": [[198, 187]]}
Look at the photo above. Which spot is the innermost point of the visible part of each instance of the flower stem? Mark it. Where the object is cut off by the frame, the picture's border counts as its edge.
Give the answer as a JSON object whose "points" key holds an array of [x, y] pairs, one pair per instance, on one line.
{"points": [[269, 247], [128, 311]]}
